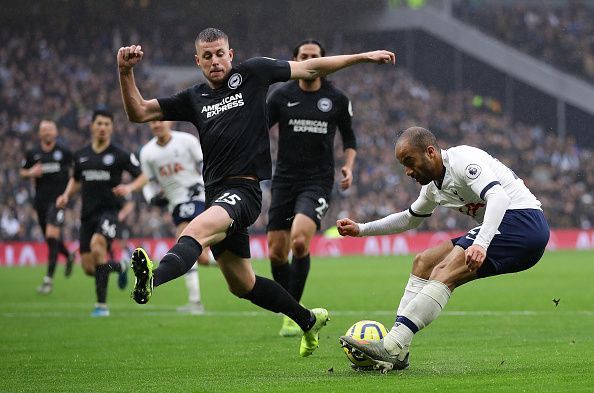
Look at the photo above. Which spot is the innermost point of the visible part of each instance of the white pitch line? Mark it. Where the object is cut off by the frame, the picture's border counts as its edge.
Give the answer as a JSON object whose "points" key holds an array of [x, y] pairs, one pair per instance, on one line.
{"points": [[166, 311]]}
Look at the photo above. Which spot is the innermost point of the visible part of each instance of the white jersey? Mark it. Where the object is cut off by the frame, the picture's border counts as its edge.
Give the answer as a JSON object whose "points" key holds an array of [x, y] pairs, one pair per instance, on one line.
{"points": [[469, 174], [175, 166]]}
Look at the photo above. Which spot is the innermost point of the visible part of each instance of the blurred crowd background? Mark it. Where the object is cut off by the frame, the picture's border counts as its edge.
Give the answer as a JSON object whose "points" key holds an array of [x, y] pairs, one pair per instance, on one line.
{"points": [[64, 66]]}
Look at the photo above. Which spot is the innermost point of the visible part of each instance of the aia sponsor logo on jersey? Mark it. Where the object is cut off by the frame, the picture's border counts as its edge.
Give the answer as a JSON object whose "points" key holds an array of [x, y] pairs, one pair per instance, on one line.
{"points": [[170, 169]]}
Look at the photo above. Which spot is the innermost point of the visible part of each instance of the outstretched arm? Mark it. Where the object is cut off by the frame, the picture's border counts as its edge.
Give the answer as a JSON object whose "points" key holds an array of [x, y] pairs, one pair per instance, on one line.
{"points": [[394, 223], [137, 108], [321, 66]]}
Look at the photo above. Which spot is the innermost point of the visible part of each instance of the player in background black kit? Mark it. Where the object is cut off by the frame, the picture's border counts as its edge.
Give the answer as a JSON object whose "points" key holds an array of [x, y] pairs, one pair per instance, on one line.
{"points": [[97, 173], [308, 112], [229, 112], [49, 164]]}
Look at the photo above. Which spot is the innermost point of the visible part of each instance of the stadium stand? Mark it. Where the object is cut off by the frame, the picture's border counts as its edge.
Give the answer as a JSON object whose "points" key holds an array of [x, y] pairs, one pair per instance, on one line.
{"points": [[559, 33], [43, 74]]}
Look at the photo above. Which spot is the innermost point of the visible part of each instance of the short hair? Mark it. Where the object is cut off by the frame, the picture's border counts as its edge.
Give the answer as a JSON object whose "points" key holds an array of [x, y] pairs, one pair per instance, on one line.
{"points": [[309, 41], [48, 120], [211, 34], [101, 112], [418, 137]]}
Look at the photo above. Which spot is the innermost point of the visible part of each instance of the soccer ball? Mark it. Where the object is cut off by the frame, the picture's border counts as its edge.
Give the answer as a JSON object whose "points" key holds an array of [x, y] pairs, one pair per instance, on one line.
{"points": [[364, 330]]}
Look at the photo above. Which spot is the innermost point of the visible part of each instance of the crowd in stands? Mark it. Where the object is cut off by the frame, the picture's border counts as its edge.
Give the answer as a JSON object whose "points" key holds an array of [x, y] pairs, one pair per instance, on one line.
{"points": [[41, 76], [561, 34]]}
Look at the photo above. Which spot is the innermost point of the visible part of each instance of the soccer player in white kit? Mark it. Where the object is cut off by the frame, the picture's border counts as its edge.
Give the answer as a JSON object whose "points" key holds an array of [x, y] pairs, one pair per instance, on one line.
{"points": [[173, 160], [511, 236]]}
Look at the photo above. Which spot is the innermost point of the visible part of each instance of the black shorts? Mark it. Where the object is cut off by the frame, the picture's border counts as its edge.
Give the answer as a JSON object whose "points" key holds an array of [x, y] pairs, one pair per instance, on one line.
{"points": [[242, 199], [49, 214], [288, 199], [104, 223]]}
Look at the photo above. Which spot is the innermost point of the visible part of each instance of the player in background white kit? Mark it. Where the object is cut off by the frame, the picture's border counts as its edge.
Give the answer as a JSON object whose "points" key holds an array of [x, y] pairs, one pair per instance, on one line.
{"points": [[511, 236], [173, 160]]}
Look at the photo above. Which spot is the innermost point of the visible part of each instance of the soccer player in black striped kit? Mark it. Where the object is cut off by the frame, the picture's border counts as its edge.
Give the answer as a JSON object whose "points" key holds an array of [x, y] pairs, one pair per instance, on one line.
{"points": [[98, 169], [307, 112], [229, 112], [49, 164]]}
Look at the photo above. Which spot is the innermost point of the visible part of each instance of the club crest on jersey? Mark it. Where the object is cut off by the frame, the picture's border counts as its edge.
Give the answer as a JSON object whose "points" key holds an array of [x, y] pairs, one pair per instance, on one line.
{"points": [[234, 81], [473, 171], [324, 104], [108, 159], [58, 155]]}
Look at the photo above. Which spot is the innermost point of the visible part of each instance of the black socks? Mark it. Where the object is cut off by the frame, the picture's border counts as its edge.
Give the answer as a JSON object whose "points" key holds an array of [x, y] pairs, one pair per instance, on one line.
{"points": [[281, 274], [52, 248], [177, 261], [101, 280], [299, 273], [292, 276], [271, 296]]}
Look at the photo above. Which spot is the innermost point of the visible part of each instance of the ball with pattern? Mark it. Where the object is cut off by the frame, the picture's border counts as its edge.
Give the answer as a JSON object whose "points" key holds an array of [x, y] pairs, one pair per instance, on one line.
{"points": [[364, 330]]}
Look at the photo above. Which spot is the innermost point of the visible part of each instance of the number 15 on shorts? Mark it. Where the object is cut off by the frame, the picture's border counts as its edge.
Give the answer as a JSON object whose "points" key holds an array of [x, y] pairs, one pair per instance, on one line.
{"points": [[229, 198]]}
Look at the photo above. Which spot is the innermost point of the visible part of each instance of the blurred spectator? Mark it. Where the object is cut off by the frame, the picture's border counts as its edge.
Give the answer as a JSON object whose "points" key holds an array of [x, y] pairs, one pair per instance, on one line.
{"points": [[42, 73], [561, 34]]}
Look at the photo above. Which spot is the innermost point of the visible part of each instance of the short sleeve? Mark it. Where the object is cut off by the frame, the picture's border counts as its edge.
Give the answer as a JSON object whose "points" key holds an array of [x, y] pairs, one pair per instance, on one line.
{"points": [[177, 107], [132, 165], [68, 158], [273, 105], [77, 172], [195, 148], [345, 125], [145, 164], [28, 160], [477, 175], [268, 69]]}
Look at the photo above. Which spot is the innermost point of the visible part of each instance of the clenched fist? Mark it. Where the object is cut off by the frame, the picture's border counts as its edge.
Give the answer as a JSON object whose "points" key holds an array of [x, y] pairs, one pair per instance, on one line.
{"points": [[129, 56]]}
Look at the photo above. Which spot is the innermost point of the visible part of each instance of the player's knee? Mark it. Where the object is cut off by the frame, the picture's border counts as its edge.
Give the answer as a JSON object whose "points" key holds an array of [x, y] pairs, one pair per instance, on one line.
{"points": [[89, 270], [300, 246], [277, 254], [239, 290], [422, 266]]}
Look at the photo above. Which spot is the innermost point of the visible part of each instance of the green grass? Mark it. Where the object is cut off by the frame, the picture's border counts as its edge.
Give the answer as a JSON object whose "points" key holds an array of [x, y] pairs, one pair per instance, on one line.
{"points": [[500, 334]]}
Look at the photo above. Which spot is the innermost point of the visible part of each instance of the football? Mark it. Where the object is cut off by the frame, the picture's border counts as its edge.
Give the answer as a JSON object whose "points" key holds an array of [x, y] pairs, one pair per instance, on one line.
{"points": [[365, 330]]}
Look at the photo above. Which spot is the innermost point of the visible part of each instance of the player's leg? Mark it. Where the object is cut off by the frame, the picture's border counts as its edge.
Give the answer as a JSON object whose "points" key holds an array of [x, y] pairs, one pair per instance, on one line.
{"points": [[423, 264], [99, 252], [104, 233], [194, 305], [55, 220], [393, 350], [280, 216], [47, 284], [428, 303], [302, 231], [311, 205], [210, 227], [278, 254], [87, 259], [269, 295]]}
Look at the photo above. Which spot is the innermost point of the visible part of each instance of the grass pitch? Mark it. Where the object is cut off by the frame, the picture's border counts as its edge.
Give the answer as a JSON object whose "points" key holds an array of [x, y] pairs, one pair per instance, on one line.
{"points": [[501, 334]]}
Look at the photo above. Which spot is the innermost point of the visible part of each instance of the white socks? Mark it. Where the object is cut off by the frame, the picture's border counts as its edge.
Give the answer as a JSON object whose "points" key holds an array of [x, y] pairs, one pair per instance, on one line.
{"points": [[413, 287], [420, 312], [193, 285]]}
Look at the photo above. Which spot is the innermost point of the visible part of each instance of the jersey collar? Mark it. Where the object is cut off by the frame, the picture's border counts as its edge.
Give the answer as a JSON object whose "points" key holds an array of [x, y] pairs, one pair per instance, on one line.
{"points": [[444, 157]]}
